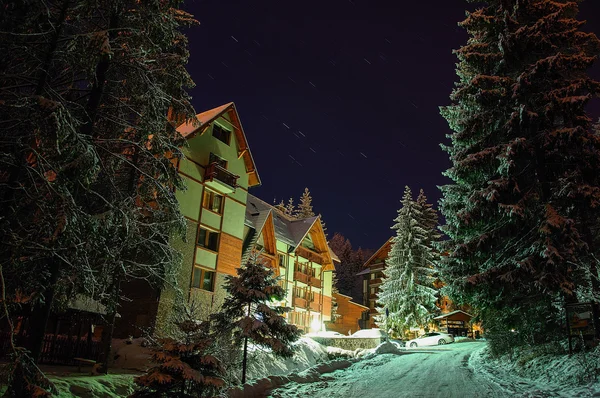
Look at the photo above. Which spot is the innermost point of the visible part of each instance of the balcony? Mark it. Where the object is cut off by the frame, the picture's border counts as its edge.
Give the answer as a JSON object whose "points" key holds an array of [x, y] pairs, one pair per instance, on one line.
{"points": [[373, 296], [220, 179], [301, 277], [299, 302], [314, 306], [315, 282], [376, 281]]}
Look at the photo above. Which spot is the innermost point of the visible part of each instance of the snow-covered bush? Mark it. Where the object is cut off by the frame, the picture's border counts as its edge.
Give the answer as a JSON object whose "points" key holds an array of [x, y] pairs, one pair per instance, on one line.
{"points": [[185, 366]]}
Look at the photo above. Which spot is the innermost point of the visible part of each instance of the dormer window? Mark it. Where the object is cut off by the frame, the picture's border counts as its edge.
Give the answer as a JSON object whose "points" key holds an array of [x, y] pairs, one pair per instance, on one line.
{"points": [[221, 134]]}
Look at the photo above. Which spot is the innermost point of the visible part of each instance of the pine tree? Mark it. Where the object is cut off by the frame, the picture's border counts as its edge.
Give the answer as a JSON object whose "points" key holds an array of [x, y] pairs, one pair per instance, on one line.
{"points": [[280, 207], [248, 313], [185, 366], [406, 294], [525, 167], [305, 209], [290, 209], [346, 277]]}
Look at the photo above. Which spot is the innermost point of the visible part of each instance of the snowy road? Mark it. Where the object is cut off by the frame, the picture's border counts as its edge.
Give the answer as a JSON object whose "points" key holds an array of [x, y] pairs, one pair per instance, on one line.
{"points": [[441, 371]]}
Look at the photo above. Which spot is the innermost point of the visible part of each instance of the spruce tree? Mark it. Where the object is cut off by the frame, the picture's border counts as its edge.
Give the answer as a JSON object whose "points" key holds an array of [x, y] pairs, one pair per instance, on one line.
{"points": [[406, 294], [290, 209], [305, 209], [525, 166], [185, 366], [249, 315]]}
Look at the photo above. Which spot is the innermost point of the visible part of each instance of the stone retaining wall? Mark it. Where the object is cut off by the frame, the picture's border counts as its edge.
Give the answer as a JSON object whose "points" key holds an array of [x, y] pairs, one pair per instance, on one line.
{"points": [[350, 343]]}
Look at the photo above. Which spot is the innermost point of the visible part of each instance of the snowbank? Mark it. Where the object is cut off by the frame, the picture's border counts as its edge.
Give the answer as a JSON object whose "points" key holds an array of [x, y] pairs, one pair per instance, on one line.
{"points": [[108, 386], [262, 363], [542, 374]]}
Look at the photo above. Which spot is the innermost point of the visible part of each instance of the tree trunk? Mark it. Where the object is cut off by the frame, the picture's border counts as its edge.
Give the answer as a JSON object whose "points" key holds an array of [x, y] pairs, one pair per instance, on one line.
{"points": [[107, 333], [17, 170], [245, 360], [93, 104], [41, 314]]}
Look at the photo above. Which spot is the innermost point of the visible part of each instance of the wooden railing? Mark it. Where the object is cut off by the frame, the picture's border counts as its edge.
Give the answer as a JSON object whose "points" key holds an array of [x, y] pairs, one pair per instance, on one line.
{"points": [[215, 171], [301, 277], [299, 302], [315, 306], [57, 349], [315, 282]]}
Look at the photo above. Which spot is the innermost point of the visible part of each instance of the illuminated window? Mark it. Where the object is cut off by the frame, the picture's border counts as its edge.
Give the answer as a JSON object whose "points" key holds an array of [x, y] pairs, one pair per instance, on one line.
{"points": [[221, 134], [203, 279], [208, 239], [212, 201]]}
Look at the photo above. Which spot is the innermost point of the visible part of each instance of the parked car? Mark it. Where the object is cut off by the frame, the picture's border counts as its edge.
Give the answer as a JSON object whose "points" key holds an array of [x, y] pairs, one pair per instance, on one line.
{"points": [[428, 339]]}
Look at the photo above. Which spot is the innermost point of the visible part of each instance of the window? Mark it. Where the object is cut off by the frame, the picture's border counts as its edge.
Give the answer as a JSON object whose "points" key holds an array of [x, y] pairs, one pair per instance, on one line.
{"points": [[221, 134], [203, 279], [282, 258], [212, 201], [208, 239], [212, 158]]}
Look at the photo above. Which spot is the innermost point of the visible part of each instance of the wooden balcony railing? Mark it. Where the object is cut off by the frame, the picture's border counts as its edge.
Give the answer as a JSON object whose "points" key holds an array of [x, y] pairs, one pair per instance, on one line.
{"points": [[373, 296], [215, 172], [375, 281], [315, 282], [301, 277], [315, 306], [299, 302]]}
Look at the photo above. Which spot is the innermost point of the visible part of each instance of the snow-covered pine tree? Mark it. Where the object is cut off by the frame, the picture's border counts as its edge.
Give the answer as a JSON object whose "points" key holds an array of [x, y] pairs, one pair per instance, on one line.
{"points": [[290, 209], [525, 166], [305, 208], [280, 207], [406, 293], [185, 366], [429, 221], [248, 314]]}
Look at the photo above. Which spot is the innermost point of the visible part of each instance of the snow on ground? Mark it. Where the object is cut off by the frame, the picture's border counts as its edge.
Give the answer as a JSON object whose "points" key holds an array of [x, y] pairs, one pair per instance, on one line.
{"points": [[109, 386], [542, 374], [262, 363], [440, 371], [308, 351]]}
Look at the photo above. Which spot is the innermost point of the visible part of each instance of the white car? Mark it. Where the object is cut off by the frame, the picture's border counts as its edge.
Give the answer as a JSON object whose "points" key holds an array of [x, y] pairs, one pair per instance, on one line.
{"points": [[433, 338]]}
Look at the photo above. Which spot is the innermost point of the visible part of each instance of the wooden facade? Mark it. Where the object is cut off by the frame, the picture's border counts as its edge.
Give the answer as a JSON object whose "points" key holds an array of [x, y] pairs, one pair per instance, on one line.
{"points": [[349, 315], [300, 256]]}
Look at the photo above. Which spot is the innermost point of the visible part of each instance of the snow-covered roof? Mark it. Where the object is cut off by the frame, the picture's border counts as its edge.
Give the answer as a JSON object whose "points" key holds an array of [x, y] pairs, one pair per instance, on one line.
{"points": [[452, 313]]}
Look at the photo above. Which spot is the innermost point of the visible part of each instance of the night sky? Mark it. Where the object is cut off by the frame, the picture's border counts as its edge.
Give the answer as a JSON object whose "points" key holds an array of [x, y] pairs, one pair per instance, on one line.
{"points": [[340, 96]]}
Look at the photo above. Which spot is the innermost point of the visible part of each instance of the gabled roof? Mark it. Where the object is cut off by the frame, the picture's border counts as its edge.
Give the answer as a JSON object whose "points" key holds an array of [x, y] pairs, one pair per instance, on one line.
{"points": [[203, 120], [386, 247], [289, 231], [452, 313]]}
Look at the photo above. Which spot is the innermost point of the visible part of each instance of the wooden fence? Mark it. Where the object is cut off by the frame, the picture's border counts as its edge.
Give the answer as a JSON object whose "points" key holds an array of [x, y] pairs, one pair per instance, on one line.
{"points": [[56, 349]]}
